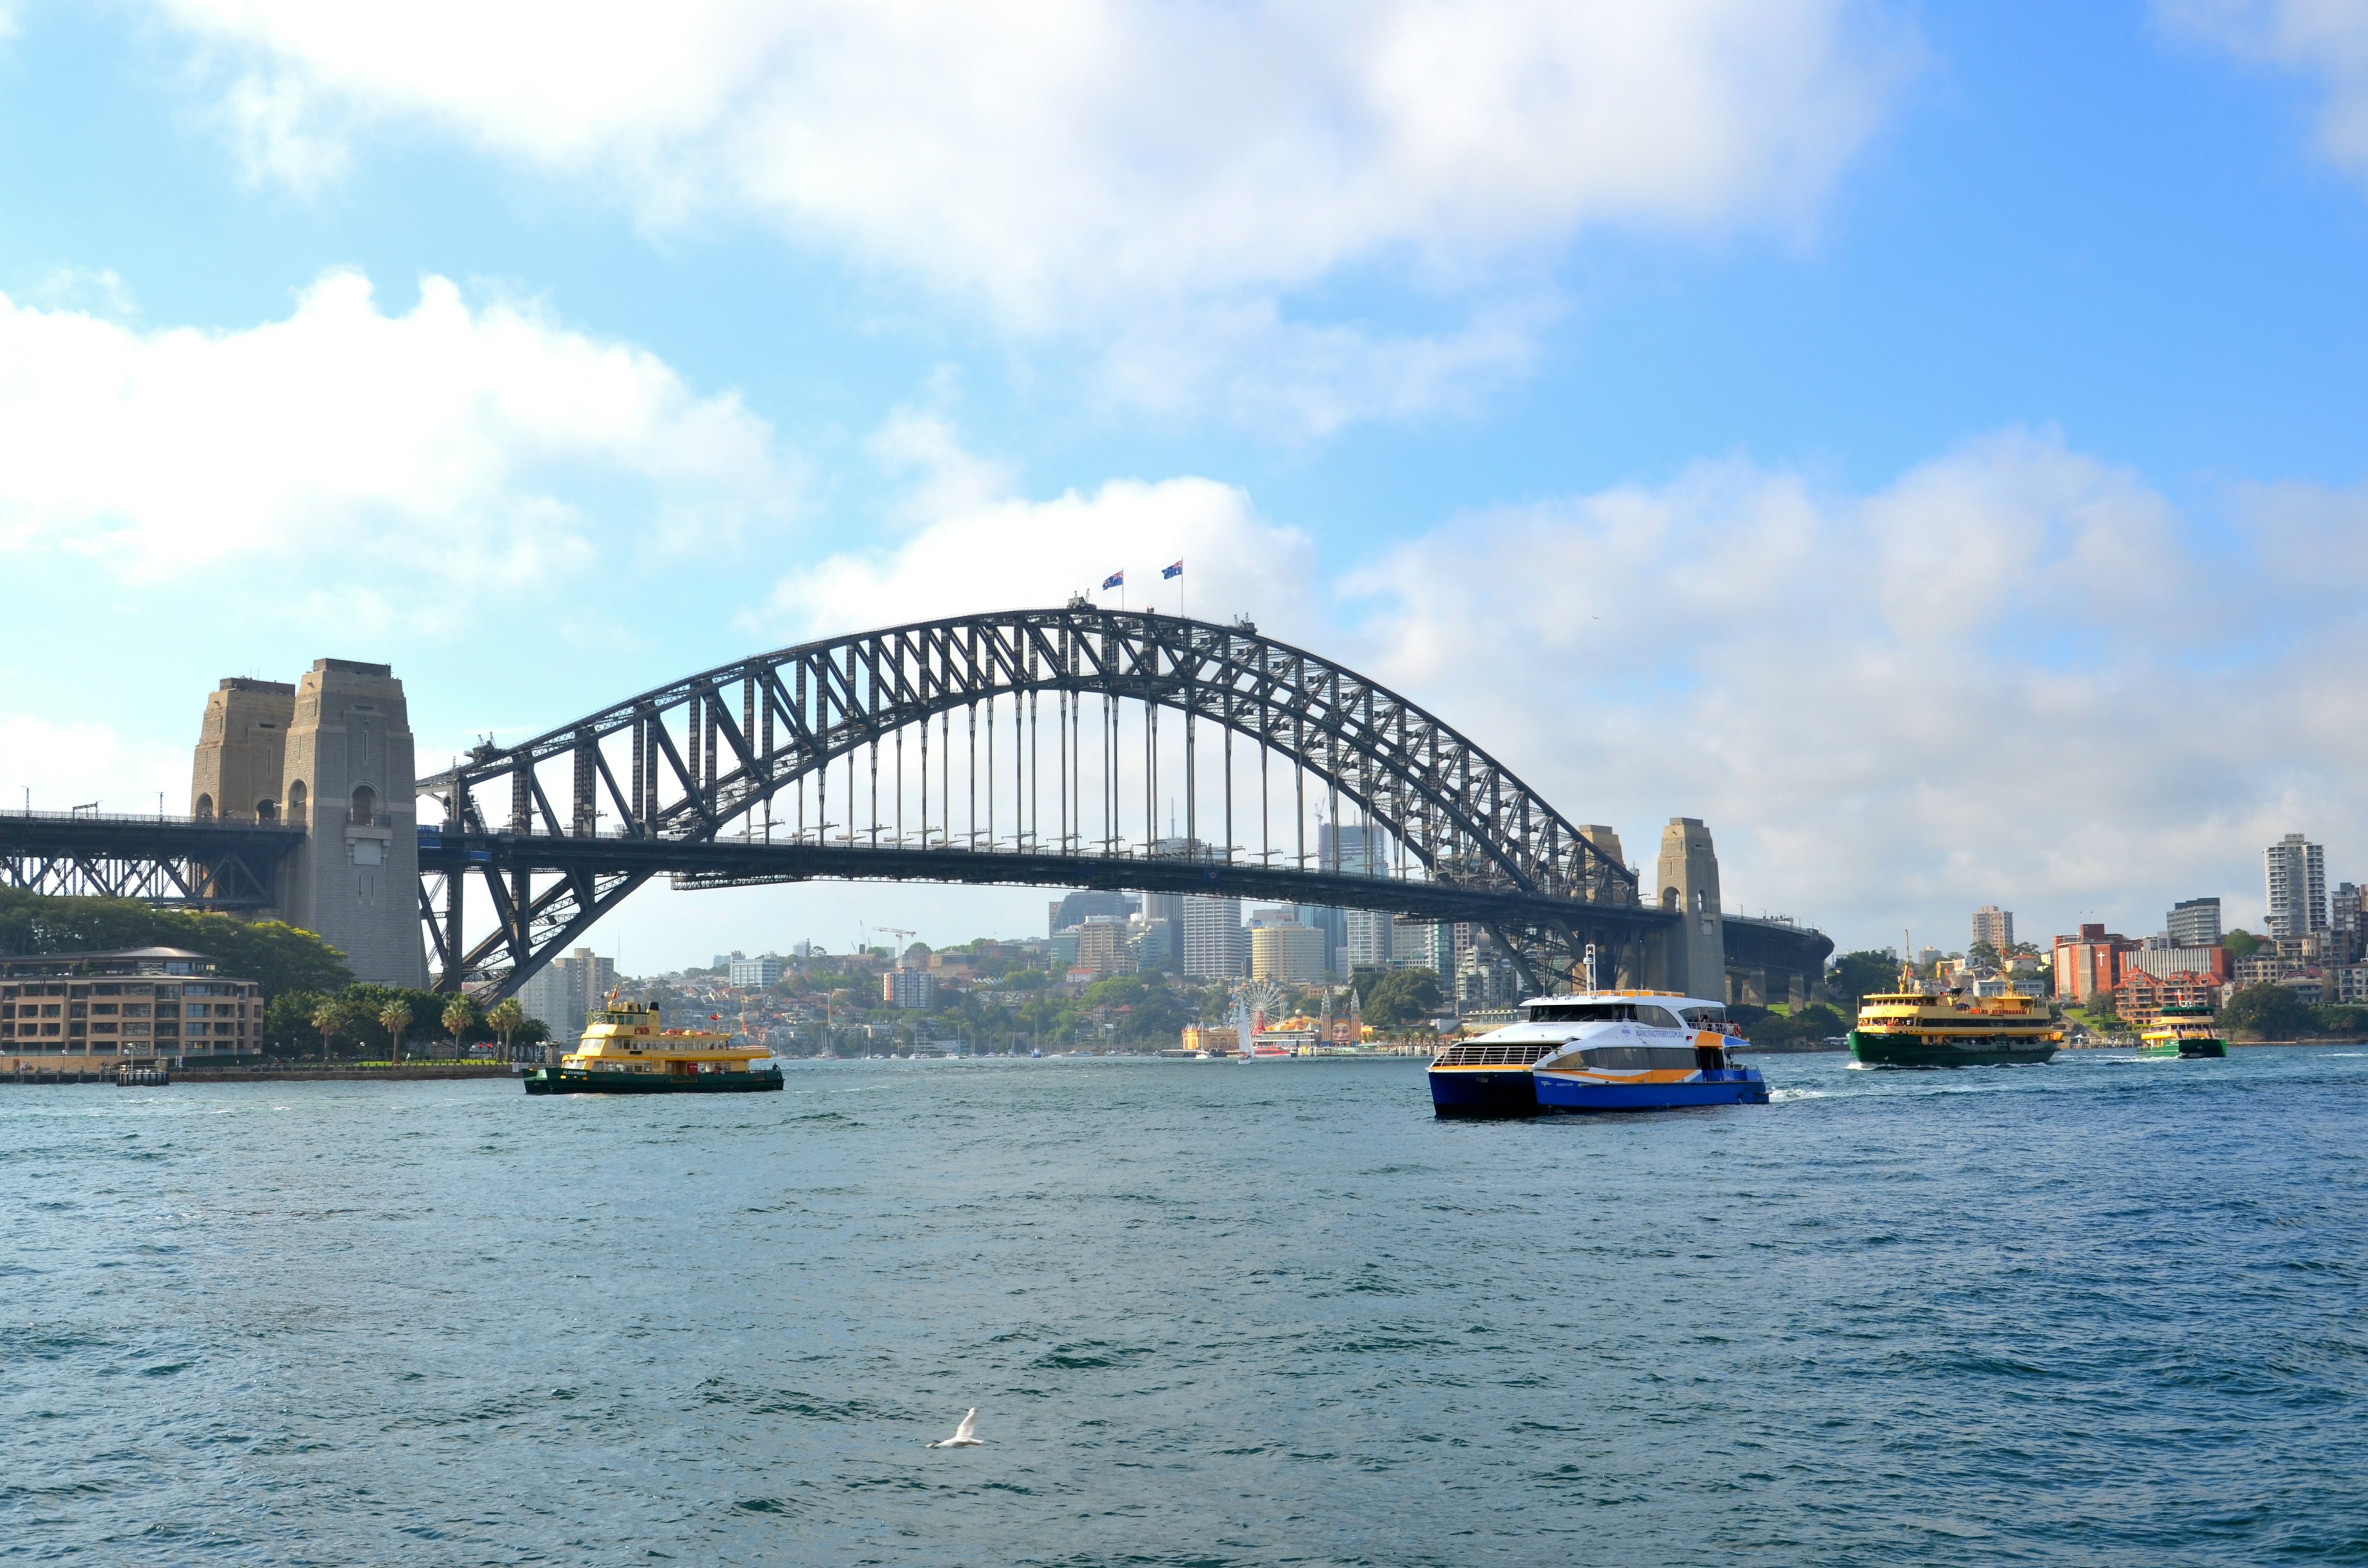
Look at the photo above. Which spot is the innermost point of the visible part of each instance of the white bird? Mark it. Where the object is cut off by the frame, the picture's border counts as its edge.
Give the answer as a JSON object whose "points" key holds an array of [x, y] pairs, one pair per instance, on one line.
{"points": [[961, 1437]]}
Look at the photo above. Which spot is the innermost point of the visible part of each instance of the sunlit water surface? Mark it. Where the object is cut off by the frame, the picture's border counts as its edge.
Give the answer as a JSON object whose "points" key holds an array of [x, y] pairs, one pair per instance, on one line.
{"points": [[2104, 1312]]}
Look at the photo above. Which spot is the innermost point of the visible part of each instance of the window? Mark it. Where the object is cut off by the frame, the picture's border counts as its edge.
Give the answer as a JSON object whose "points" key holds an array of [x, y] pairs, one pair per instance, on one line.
{"points": [[1657, 1018], [296, 802], [267, 811], [1705, 1018], [1582, 1012], [204, 808], [364, 812]]}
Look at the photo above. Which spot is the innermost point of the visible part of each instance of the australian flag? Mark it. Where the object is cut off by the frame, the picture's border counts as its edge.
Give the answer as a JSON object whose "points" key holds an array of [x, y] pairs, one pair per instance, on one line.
{"points": [[1175, 570], [1115, 580]]}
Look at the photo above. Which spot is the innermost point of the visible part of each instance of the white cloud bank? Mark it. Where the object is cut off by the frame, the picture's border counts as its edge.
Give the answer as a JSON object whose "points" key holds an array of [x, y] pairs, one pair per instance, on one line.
{"points": [[2015, 676], [486, 441], [2327, 39], [1089, 166]]}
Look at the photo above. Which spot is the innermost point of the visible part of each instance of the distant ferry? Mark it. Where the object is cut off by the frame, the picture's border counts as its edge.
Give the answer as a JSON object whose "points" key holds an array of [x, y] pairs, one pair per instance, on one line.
{"points": [[1907, 1027], [625, 1052], [2182, 1030], [1597, 1050]]}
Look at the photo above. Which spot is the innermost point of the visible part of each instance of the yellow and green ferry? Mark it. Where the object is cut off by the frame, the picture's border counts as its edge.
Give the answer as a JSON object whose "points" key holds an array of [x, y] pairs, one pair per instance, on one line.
{"points": [[625, 1051], [2184, 1029], [1911, 1028]]}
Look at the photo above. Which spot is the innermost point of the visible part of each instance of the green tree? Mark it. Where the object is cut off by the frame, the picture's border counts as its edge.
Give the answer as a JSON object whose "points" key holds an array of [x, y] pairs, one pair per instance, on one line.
{"points": [[2241, 944], [1402, 997], [396, 1018], [504, 1018], [2343, 1020], [459, 1016], [325, 1015], [1856, 976], [1982, 955], [277, 957], [2268, 1011]]}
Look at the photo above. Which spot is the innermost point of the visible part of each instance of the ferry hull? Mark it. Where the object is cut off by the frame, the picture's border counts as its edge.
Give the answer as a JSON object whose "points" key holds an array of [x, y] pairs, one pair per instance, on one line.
{"points": [[1732, 1085], [573, 1081], [1914, 1050], [2192, 1050], [1493, 1091]]}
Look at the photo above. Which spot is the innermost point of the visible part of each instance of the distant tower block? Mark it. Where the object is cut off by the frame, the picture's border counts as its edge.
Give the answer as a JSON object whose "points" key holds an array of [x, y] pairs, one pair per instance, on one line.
{"points": [[242, 752], [1687, 876], [354, 880]]}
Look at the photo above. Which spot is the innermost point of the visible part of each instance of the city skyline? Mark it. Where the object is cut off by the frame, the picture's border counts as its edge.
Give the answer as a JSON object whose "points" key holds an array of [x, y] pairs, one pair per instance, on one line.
{"points": [[1765, 460]]}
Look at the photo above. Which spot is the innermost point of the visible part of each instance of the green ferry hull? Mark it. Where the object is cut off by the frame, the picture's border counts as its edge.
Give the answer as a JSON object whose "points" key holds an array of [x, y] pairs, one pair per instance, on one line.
{"points": [[1913, 1050], [566, 1081]]}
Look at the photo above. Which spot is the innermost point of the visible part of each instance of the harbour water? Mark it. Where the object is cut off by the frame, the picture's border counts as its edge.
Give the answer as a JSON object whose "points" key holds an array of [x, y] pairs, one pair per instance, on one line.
{"points": [[2103, 1312]]}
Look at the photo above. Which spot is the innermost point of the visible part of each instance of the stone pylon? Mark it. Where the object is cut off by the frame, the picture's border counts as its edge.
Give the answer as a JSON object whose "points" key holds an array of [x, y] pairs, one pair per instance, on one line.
{"points": [[1687, 879], [331, 754]]}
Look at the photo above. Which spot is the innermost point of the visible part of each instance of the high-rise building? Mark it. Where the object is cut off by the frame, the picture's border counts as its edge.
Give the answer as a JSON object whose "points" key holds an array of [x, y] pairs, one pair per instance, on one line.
{"points": [[1215, 946], [1286, 951], [563, 991], [2297, 887], [758, 972], [1102, 948], [1994, 925], [2091, 962], [1164, 946], [2193, 923], [1364, 938], [909, 988], [1422, 944], [1073, 909]]}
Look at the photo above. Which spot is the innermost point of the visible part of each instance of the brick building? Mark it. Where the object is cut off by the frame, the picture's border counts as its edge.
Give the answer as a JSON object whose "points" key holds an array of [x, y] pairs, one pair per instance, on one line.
{"points": [[2090, 962]]}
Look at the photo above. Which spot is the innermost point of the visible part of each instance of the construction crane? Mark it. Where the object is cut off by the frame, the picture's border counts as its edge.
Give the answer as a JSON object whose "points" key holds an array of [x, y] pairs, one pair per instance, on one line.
{"points": [[896, 955]]}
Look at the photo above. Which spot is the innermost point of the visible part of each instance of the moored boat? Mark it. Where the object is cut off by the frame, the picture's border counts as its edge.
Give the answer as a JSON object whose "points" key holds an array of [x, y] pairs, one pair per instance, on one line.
{"points": [[2184, 1029], [1596, 1052], [1912, 1029], [626, 1050]]}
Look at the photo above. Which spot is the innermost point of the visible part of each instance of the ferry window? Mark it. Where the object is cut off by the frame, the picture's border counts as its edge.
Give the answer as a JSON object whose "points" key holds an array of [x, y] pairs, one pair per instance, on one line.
{"points": [[1581, 1012], [1705, 1018], [1657, 1018]]}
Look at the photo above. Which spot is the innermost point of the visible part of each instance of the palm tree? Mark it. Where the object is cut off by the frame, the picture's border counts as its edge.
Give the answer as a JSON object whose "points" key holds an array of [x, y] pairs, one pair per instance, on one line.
{"points": [[458, 1013], [396, 1017], [507, 1016], [326, 1017]]}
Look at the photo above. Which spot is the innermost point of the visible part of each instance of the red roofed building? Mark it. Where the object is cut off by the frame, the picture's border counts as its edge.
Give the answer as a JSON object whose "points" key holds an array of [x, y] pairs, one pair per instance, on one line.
{"points": [[2141, 997], [2091, 962]]}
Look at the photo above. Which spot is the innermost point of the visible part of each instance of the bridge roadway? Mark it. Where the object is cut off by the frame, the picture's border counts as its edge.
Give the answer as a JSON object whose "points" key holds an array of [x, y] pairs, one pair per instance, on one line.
{"points": [[201, 864], [724, 862]]}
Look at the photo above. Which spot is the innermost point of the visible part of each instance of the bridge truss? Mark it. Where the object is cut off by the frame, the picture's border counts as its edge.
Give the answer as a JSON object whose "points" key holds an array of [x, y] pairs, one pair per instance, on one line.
{"points": [[921, 753], [181, 861]]}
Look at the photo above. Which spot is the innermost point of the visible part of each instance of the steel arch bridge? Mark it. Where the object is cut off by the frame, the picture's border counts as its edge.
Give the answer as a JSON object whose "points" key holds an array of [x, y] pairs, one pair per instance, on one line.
{"points": [[731, 777]]}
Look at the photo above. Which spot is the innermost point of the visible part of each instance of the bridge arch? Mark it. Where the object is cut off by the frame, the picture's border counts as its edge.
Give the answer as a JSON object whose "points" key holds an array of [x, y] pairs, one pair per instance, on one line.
{"points": [[659, 781]]}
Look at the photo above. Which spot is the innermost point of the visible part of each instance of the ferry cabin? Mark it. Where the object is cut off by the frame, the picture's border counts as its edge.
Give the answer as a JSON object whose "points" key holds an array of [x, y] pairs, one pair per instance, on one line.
{"points": [[627, 1037]]}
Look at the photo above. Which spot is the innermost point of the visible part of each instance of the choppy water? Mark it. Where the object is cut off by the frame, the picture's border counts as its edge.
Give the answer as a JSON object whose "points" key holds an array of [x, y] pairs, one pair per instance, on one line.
{"points": [[2101, 1313]]}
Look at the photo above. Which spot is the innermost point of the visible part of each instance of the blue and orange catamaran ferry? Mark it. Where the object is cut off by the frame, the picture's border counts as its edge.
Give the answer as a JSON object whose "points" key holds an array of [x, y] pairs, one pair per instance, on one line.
{"points": [[1597, 1050]]}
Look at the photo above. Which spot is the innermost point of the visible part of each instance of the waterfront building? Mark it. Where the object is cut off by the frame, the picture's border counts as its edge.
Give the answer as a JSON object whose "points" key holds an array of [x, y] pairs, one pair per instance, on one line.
{"points": [[1286, 951], [1994, 925], [2346, 983], [2164, 961], [1421, 944], [2193, 923], [756, 974], [909, 988], [1215, 946], [2296, 875], [2264, 968], [2090, 962], [132, 1006], [2141, 997]]}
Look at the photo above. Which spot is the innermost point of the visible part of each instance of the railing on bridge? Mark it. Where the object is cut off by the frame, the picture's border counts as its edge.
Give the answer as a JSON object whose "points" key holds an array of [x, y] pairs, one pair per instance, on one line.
{"points": [[194, 862]]}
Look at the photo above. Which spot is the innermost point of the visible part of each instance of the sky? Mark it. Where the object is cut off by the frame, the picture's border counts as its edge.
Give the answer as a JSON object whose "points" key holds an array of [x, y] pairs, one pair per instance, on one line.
{"points": [[1921, 441]]}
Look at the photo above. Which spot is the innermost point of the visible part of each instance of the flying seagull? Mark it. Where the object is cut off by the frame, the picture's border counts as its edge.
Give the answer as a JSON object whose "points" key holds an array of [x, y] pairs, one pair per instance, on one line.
{"points": [[961, 1437]]}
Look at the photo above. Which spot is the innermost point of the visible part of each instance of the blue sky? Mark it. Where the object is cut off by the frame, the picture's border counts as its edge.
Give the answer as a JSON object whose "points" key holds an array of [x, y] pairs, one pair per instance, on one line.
{"points": [[1774, 413]]}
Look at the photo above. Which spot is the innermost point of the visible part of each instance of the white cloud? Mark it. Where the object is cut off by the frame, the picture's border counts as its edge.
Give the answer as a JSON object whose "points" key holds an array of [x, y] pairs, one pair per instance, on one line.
{"points": [[1017, 554], [2008, 677], [1083, 166], [2327, 39], [69, 765], [488, 441]]}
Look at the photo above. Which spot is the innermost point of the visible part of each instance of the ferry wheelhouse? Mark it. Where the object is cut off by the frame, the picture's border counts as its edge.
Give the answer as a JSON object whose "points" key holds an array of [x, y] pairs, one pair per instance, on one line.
{"points": [[625, 1051], [1597, 1050]]}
